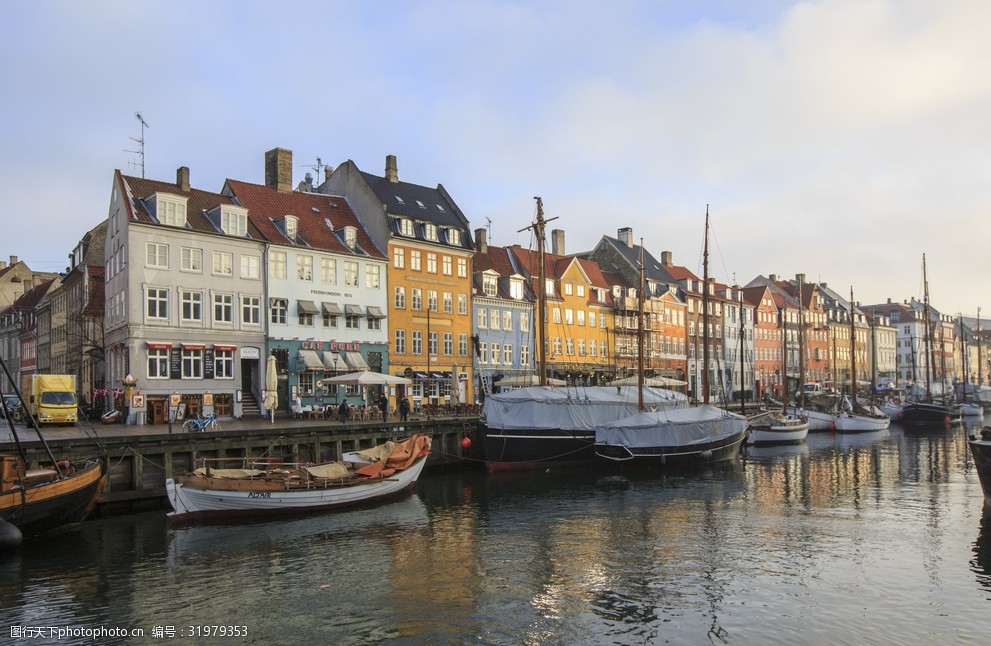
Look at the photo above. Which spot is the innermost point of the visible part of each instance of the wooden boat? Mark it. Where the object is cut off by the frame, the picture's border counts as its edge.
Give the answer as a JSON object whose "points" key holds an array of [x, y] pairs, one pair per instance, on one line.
{"points": [[980, 449], [256, 486], [537, 425], [697, 435], [38, 501], [856, 418]]}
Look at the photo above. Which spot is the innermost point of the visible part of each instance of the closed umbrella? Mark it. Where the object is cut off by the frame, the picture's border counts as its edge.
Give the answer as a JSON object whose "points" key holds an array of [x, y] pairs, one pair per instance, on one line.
{"points": [[271, 387]]}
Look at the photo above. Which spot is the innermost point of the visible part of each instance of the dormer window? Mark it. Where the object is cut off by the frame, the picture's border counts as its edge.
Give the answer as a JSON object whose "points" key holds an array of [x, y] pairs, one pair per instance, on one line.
{"points": [[291, 224], [234, 221], [454, 237], [170, 210], [489, 285], [430, 231], [350, 237], [516, 288], [406, 227]]}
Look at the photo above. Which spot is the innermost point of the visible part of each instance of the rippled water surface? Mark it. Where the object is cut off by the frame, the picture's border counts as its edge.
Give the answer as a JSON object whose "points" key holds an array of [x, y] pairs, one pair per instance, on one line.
{"points": [[865, 539]]}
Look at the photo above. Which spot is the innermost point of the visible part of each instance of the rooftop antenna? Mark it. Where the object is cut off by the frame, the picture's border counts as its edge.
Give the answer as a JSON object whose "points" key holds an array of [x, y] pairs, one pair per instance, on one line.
{"points": [[141, 144], [488, 226]]}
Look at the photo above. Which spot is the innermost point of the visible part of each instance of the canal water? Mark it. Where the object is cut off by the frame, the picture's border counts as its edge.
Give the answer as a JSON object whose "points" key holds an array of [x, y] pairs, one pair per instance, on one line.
{"points": [[863, 539]]}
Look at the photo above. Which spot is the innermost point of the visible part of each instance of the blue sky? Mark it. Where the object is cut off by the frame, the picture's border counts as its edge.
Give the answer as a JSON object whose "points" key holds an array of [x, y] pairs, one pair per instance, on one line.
{"points": [[838, 139]]}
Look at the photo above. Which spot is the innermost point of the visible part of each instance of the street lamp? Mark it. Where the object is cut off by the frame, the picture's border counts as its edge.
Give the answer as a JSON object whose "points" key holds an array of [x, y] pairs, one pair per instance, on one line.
{"points": [[337, 387]]}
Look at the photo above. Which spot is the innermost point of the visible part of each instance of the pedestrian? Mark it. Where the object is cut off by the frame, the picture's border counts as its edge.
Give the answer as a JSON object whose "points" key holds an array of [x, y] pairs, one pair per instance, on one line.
{"points": [[404, 409], [297, 406], [343, 410], [384, 405]]}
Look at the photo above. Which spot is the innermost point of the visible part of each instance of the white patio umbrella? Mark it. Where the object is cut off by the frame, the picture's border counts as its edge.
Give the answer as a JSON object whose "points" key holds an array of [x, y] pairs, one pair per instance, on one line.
{"points": [[366, 378], [271, 387]]}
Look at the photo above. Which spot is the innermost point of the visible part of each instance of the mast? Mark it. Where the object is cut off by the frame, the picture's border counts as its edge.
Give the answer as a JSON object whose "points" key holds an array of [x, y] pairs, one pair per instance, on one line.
{"points": [[640, 331], [853, 353], [873, 327], [963, 358], [705, 311], [929, 339], [538, 231], [980, 380], [784, 358], [801, 345], [743, 389]]}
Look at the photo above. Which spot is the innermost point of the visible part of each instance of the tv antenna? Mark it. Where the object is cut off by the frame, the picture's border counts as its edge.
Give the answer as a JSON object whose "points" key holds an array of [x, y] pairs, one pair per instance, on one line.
{"points": [[141, 144], [488, 226], [318, 168]]}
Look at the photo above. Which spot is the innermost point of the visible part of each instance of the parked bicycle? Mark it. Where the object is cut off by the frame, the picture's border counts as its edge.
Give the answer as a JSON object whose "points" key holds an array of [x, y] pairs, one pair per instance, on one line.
{"points": [[199, 424]]}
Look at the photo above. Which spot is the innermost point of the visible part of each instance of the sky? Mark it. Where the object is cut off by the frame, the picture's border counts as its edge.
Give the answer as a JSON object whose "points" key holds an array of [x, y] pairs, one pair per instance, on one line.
{"points": [[840, 139]]}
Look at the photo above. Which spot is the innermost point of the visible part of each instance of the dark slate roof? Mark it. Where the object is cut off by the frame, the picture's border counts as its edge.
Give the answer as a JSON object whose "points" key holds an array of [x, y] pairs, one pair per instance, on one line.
{"points": [[313, 211], [653, 269], [30, 299]]}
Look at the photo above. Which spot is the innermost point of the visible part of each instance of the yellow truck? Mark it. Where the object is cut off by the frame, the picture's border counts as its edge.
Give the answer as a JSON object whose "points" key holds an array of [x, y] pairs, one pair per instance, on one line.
{"points": [[51, 399]]}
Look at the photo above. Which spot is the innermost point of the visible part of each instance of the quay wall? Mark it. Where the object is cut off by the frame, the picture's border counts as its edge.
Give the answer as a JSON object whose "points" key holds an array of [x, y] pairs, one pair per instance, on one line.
{"points": [[140, 458]]}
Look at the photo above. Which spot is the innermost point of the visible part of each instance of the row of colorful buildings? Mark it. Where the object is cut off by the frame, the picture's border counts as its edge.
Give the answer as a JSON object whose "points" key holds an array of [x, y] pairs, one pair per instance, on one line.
{"points": [[188, 292]]}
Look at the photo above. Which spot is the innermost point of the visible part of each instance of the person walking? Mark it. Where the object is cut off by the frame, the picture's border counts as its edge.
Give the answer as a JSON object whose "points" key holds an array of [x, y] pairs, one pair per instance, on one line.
{"points": [[404, 409], [343, 410], [384, 405]]}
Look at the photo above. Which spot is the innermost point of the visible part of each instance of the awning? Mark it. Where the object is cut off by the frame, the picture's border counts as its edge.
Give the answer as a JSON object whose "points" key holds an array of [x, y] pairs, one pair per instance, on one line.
{"points": [[375, 312], [440, 375], [422, 376], [193, 346], [306, 307], [353, 310], [310, 358], [332, 309], [224, 347], [330, 364], [159, 346], [355, 360]]}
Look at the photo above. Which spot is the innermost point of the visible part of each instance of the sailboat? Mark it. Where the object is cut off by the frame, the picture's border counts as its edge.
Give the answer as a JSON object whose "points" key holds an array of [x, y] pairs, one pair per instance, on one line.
{"points": [[38, 501], [857, 419], [782, 427], [968, 407], [925, 410], [545, 424], [660, 437]]}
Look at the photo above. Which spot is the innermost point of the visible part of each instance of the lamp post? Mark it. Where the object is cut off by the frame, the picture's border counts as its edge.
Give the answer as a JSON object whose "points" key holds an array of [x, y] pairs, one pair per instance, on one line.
{"points": [[337, 387]]}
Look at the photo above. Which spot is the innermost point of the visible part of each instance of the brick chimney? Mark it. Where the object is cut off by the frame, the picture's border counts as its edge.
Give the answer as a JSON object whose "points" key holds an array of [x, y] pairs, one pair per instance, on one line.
{"points": [[182, 178], [772, 277], [278, 169], [557, 242], [800, 278], [481, 244], [13, 260], [391, 169], [625, 236], [667, 259]]}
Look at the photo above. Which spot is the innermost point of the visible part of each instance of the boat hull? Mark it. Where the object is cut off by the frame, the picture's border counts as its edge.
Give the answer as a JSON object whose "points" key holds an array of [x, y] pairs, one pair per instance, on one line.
{"points": [[778, 434], [980, 449], [929, 413], [853, 423], [43, 508], [724, 448], [818, 420], [526, 449], [194, 498]]}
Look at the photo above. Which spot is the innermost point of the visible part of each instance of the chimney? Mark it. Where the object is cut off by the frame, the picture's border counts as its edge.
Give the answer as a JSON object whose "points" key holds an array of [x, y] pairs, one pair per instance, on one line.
{"points": [[625, 236], [481, 244], [667, 258], [391, 170], [773, 278], [182, 178], [327, 172], [3, 264], [800, 278], [557, 242], [278, 169], [889, 300], [13, 261]]}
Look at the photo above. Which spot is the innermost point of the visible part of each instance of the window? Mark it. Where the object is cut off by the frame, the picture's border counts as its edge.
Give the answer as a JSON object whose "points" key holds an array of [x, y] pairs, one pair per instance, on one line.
{"points": [[350, 237], [350, 273], [416, 295], [581, 317], [483, 352], [171, 212], [524, 356], [251, 310], [430, 231], [448, 303], [223, 263], [329, 320], [158, 363], [406, 227], [489, 285], [352, 321], [328, 271], [233, 222], [192, 363], [399, 302], [446, 266], [454, 237], [494, 357], [581, 347], [432, 300], [305, 318], [462, 303], [399, 258], [448, 344], [591, 319], [372, 276], [569, 316], [524, 321], [158, 303], [277, 264], [591, 348], [223, 308], [516, 289], [400, 341], [483, 318], [462, 345], [567, 289], [507, 354], [507, 320], [251, 267], [280, 310], [157, 255], [432, 343], [494, 320], [557, 315], [291, 223], [374, 323], [431, 263], [571, 347], [462, 267], [414, 260], [192, 306], [223, 364], [581, 290], [191, 259], [417, 346], [304, 267]]}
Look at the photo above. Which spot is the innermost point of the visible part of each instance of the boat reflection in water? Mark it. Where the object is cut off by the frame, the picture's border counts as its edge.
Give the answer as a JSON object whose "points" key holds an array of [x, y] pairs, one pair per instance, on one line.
{"points": [[981, 564]]}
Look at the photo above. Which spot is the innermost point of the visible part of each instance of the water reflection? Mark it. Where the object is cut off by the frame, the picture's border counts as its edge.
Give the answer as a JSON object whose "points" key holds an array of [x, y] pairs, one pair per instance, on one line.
{"points": [[981, 563]]}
